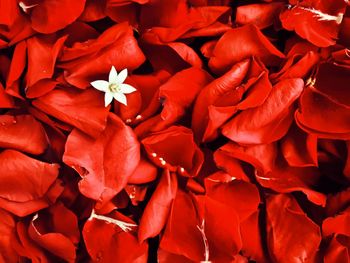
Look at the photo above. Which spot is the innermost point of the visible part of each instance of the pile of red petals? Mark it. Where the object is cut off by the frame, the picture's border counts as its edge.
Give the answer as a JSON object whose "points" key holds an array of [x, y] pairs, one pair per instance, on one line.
{"points": [[233, 146]]}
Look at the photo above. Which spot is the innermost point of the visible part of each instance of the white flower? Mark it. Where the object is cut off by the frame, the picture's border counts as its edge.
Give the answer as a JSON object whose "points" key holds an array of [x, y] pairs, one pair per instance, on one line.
{"points": [[114, 87]]}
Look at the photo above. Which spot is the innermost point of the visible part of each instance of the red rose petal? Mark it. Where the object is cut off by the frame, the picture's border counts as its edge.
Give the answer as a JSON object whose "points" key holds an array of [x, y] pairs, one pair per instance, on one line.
{"points": [[319, 31], [84, 110], [42, 55], [214, 91], [338, 250], [262, 156], [253, 126], [51, 15], [181, 230], [284, 245], [157, 210], [299, 148], [220, 225], [7, 234], [145, 172], [17, 169], [337, 225], [59, 238], [24, 179], [320, 116], [261, 15], [175, 146], [18, 64], [14, 134], [119, 45], [229, 49], [94, 10], [252, 241], [107, 242], [6, 101], [105, 163], [242, 196]]}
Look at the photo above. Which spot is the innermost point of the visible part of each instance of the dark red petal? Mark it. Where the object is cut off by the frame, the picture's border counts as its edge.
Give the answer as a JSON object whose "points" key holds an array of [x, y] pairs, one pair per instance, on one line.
{"points": [[337, 225], [94, 10], [181, 230], [25, 246], [40, 88], [320, 116], [337, 250], [335, 90], [299, 148], [297, 66], [156, 213], [285, 245], [18, 64], [59, 238], [160, 13], [336, 203], [6, 101], [285, 179], [165, 256], [123, 12], [7, 235], [252, 241], [176, 95]]}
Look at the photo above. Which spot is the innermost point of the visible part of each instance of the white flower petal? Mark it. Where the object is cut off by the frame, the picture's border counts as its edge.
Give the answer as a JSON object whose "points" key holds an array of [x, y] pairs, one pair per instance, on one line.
{"points": [[108, 98], [101, 85], [121, 98], [126, 89], [113, 75], [122, 76]]}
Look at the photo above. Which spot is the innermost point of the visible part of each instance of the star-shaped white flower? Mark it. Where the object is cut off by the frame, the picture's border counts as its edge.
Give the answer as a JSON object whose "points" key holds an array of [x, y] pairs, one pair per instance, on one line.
{"points": [[114, 87]]}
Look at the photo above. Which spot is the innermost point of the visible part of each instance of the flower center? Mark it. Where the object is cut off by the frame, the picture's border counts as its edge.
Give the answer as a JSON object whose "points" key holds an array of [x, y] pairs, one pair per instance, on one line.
{"points": [[114, 87]]}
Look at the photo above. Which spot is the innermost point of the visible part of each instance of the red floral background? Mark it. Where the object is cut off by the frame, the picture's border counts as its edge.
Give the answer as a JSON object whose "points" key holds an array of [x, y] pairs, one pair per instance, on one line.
{"points": [[234, 147]]}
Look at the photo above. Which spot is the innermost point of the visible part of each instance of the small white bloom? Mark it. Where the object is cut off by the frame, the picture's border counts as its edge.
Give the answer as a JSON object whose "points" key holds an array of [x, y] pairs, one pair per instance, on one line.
{"points": [[114, 87]]}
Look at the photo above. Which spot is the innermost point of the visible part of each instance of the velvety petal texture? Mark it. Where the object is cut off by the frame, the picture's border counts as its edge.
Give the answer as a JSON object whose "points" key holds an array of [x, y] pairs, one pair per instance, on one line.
{"points": [[61, 104], [14, 134], [86, 61], [166, 149], [229, 49], [105, 163], [22, 193], [208, 131], [282, 211], [271, 120]]}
